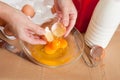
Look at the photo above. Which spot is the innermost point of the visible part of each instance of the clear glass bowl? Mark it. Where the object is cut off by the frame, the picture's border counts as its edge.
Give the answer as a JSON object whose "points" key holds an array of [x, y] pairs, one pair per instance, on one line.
{"points": [[62, 57], [36, 53]]}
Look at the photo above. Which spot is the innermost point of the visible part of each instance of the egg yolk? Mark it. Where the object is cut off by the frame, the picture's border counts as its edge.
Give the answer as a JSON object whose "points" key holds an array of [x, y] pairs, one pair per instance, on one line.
{"points": [[63, 43], [56, 44], [49, 50], [51, 54]]}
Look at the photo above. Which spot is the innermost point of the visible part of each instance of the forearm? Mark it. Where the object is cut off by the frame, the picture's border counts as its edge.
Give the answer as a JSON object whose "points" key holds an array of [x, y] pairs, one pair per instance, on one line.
{"points": [[6, 11], [62, 2]]}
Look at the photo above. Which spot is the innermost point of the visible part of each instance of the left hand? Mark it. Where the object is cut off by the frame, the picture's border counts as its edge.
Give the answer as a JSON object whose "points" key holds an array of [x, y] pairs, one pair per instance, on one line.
{"points": [[67, 13]]}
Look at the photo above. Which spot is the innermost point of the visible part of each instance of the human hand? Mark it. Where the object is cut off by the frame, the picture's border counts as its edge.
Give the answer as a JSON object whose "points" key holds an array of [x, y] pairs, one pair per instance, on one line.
{"points": [[67, 13], [23, 27]]}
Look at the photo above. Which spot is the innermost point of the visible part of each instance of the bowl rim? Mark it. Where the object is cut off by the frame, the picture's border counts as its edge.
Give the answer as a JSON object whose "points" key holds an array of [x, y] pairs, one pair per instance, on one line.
{"points": [[27, 52]]}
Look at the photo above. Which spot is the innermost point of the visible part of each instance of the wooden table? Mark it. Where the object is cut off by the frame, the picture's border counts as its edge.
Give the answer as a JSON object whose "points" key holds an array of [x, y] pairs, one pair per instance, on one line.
{"points": [[13, 67]]}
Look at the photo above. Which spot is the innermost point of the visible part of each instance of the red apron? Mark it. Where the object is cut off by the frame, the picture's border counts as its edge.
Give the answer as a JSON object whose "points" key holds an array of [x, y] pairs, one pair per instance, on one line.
{"points": [[85, 9]]}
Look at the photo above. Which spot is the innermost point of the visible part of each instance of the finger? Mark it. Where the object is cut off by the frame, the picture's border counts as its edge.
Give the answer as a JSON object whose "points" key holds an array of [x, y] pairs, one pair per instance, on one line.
{"points": [[71, 24], [65, 17], [59, 15], [37, 30], [35, 41], [32, 39]]}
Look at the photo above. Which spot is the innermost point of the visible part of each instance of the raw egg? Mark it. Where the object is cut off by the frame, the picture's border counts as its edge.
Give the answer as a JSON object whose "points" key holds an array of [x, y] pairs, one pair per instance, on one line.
{"points": [[53, 9], [7, 30], [28, 10], [55, 45], [2, 22]]}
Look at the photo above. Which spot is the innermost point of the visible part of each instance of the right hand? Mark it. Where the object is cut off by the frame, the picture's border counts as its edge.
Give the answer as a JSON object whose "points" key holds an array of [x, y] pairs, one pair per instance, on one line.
{"points": [[25, 29], [21, 25]]}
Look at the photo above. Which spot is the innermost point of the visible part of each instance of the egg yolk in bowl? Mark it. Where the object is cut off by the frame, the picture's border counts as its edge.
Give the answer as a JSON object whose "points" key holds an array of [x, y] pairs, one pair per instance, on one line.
{"points": [[52, 54], [59, 52]]}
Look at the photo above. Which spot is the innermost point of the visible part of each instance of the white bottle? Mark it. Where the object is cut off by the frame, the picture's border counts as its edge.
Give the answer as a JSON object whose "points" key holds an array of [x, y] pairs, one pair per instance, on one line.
{"points": [[103, 24]]}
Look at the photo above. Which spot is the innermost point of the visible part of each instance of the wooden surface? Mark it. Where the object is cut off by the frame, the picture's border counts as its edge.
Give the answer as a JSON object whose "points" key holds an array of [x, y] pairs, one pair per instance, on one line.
{"points": [[13, 67]]}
